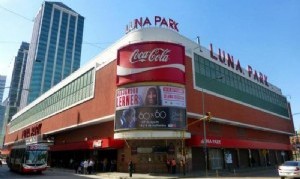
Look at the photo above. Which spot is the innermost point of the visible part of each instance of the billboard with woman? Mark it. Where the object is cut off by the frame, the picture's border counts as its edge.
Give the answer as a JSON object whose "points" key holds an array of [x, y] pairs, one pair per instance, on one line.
{"points": [[148, 107]]}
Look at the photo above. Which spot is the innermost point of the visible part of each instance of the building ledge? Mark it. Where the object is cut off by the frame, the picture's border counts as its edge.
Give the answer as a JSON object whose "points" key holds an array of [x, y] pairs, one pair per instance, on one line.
{"points": [[152, 135]]}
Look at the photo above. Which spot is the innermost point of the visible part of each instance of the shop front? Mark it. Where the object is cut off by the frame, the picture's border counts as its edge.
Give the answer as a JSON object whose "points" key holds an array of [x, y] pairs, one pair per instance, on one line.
{"points": [[228, 154], [103, 151], [150, 156]]}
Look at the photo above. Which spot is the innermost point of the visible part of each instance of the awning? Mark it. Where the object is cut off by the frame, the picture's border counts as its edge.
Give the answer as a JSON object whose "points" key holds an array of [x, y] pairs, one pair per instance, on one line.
{"points": [[89, 145], [197, 141]]}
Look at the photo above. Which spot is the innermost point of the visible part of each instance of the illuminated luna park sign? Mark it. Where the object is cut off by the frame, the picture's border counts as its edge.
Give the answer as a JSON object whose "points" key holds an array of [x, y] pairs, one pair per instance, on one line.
{"points": [[156, 21]]}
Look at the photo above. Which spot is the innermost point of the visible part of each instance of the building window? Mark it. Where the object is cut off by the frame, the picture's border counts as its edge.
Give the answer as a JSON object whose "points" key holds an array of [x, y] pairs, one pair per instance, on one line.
{"points": [[235, 86], [74, 92]]}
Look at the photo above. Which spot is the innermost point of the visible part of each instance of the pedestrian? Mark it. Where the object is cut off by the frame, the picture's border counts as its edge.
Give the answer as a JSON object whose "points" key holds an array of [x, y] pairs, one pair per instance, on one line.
{"points": [[182, 166], [130, 168], [71, 163], [85, 166], [169, 165], [80, 168], [228, 160], [105, 165], [90, 166], [76, 166], [112, 165], [173, 165]]}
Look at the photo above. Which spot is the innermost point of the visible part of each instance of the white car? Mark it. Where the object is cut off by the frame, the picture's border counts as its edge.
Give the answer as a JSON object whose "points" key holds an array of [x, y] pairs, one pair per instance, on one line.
{"points": [[290, 169]]}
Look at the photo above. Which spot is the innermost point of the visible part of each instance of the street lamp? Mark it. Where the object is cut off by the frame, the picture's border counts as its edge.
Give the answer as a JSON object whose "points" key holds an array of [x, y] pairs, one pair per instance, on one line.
{"points": [[296, 140], [204, 125]]}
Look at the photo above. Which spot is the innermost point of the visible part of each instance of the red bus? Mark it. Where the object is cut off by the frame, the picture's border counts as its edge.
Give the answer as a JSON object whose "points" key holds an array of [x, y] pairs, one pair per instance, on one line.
{"points": [[28, 158]]}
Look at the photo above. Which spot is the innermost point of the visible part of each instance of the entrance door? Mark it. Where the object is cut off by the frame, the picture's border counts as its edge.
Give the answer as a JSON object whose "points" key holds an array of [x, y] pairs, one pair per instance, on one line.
{"points": [[215, 159], [198, 159], [244, 158], [106, 160]]}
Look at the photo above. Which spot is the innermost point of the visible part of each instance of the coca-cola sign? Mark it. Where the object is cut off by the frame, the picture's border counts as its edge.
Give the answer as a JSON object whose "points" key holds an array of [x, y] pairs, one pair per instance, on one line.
{"points": [[155, 55], [151, 62]]}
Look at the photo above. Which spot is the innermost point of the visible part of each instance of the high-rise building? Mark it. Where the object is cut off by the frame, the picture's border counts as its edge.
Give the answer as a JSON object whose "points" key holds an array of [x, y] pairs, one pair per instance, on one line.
{"points": [[2, 124], [55, 49], [2, 86], [2, 108], [16, 84], [3, 120]]}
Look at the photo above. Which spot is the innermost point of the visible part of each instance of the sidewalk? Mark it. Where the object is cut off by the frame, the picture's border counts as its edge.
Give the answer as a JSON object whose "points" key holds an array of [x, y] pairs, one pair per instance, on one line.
{"points": [[199, 174]]}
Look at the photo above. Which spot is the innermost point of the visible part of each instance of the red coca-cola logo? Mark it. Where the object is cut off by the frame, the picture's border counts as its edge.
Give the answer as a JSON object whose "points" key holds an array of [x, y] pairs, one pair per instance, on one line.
{"points": [[150, 62], [154, 55]]}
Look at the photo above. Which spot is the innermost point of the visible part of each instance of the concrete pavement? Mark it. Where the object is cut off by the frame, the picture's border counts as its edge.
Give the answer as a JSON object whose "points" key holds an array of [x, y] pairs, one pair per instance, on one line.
{"points": [[248, 172]]}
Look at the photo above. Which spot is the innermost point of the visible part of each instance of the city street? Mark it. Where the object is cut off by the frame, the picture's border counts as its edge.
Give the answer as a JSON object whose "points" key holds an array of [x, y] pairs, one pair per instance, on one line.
{"points": [[262, 173], [50, 174]]}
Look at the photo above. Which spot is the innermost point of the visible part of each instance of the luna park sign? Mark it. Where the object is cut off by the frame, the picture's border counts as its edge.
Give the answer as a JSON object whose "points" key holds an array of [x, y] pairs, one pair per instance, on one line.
{"points": [[156, 21]]}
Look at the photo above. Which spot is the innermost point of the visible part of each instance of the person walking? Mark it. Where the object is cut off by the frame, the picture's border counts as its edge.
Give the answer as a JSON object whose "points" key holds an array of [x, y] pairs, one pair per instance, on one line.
{"points": [[85, 166], [80, 168], [90, 166], [112, 165], [130, 168], [169, 165], [76, 166], [182, 166], [173, 164], [71, 163], [105, 165]]}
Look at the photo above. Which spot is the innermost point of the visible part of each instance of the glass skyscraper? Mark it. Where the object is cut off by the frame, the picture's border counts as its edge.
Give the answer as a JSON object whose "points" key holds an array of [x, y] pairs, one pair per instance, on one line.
{"points": [[54, 51], [2, 109], [2, 86], [17, 79]]}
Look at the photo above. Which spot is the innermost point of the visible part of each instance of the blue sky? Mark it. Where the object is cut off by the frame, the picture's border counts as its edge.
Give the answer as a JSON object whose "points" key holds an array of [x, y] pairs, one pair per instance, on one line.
{"points": [[264, 34]]}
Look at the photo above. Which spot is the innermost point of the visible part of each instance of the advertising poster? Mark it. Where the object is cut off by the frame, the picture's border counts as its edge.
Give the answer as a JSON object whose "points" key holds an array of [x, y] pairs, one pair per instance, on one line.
{"points": [[150, 96], [150, 107], [151, 62], [150, 118]]}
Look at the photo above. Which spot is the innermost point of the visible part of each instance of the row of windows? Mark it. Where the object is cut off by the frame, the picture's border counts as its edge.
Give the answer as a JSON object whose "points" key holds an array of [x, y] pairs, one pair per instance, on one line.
{"points": [[213, 71], [78, 90]]}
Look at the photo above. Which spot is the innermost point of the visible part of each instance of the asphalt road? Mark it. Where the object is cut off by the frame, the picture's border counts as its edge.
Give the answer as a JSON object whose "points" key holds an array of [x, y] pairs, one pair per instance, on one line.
{"points": [[50, 174], [270, 173]]}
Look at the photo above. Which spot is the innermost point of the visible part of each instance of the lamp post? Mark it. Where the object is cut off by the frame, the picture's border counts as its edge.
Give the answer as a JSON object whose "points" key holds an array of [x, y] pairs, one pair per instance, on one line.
{"points": [[296, 140], [204, 125]]}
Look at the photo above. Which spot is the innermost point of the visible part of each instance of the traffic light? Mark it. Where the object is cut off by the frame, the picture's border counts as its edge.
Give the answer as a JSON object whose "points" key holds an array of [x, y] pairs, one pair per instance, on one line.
{"points": [[208, 116]]}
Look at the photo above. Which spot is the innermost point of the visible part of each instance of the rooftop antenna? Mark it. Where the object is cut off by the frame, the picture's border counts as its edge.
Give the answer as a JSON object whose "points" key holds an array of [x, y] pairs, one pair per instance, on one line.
{"points": [[198, 42]]}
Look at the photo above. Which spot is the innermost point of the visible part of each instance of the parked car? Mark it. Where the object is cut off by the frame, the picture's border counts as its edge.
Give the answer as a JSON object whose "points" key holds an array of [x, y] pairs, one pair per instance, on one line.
{"points": [[290, 169]]}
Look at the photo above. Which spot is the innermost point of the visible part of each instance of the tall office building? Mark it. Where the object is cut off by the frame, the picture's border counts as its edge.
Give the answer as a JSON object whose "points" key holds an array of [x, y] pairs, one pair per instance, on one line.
{"points": [[16, 84], [2, 124], [2, 108], [2, 86], [55, 49]]}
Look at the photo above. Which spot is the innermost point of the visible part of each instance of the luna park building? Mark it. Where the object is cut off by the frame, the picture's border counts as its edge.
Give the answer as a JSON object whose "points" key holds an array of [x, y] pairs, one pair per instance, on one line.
{"points": [[147, 98]]}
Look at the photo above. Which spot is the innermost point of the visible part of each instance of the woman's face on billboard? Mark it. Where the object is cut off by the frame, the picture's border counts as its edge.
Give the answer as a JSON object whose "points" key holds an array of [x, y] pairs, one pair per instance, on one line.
{"points": [[152, 96]]}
